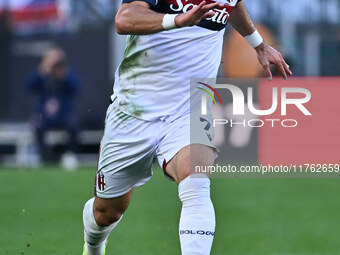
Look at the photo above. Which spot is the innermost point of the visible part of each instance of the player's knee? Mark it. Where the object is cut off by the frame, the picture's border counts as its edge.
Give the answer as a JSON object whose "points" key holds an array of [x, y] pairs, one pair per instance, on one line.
{"points": [[106, 218], [109, 211], [113, 217], [182, 171], [183, 174]]}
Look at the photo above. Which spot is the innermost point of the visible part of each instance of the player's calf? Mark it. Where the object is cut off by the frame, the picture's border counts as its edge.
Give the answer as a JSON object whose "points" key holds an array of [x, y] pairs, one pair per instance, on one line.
{"points": [[197, 221]]}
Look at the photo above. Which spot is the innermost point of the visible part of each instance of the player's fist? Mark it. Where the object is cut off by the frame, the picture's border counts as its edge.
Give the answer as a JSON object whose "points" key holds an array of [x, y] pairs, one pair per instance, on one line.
{"points": [[196, 14]]}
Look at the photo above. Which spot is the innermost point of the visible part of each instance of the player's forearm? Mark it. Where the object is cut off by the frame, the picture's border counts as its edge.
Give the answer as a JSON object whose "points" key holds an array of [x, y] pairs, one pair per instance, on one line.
{"points": [[138, 19], [241, 21], [266, 55]]}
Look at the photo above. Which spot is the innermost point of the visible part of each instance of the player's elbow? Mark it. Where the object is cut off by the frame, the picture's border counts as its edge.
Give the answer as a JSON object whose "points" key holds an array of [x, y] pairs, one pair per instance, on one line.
{"points": [[119, 24], [122, 22]]}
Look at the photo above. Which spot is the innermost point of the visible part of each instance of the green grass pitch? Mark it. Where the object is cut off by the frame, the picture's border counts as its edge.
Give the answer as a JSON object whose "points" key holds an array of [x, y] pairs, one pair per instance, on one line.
{"points": [[41, 214]]}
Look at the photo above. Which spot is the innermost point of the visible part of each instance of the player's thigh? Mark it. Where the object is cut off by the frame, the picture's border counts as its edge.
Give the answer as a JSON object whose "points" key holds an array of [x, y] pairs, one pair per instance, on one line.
{"points": [[188, 143], [188, 158], [108, 211], [126, 154]]}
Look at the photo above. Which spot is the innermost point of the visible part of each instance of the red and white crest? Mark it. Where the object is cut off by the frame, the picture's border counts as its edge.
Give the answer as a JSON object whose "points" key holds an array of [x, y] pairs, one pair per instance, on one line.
{"points": [[101, 181]]}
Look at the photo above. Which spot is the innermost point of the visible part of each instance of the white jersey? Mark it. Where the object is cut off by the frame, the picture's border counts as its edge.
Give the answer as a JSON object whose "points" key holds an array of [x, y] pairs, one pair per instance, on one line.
{"points": [[153, 80]]}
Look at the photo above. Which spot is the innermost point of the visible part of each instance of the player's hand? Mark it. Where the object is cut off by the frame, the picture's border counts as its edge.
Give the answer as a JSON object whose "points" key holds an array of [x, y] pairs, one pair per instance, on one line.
{"points": [[196, 14], [45, 68], [268, 55]]}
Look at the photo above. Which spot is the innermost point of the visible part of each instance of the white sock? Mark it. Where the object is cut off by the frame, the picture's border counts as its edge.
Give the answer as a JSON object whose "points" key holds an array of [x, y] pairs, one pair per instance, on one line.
{"points": [[197, 222], [94, 235]]}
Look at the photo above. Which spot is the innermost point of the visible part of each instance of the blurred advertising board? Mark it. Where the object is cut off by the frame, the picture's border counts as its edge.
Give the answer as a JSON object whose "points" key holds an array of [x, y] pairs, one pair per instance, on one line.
{"points": [[32, 10], [32, 15], [316, 139], [281, 122]]}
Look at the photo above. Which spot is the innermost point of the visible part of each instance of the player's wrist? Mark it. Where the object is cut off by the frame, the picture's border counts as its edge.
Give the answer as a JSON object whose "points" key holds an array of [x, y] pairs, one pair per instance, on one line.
{"points": [[169, 21], [261, 46], [255, 39]]}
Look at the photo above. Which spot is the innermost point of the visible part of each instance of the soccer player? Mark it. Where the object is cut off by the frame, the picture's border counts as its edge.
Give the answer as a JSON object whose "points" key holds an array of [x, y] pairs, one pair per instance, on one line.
{"points": [[169, 42]]}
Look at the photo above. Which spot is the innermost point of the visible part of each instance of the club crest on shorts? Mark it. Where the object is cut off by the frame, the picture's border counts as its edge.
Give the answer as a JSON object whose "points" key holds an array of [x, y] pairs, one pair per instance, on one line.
{"points": [[101, 181]]}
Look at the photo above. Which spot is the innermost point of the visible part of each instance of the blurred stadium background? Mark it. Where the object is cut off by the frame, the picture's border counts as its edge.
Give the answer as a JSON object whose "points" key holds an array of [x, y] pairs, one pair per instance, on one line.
{"points": [[40, 205]]}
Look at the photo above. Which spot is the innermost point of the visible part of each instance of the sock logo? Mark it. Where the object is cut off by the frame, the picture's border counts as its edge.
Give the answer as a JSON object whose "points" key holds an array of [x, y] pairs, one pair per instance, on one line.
{"points": [[196, 232]]}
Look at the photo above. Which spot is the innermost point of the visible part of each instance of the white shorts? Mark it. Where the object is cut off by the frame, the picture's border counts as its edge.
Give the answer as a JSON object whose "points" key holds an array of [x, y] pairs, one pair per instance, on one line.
{"points": [[130, 146]]}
